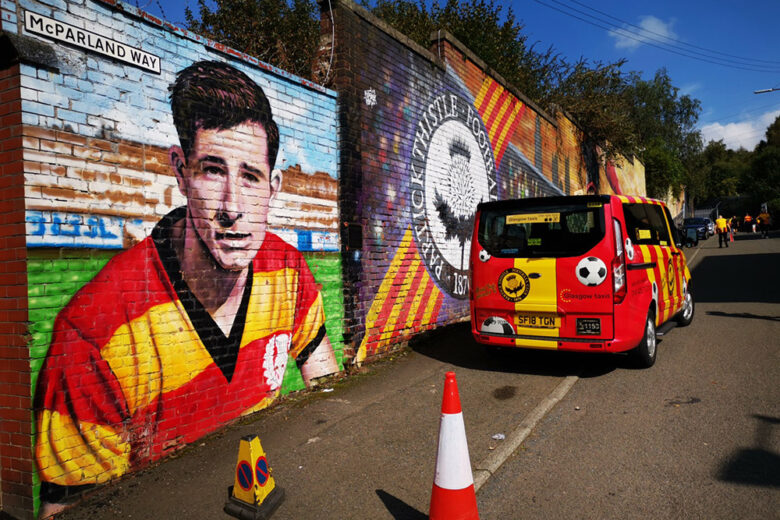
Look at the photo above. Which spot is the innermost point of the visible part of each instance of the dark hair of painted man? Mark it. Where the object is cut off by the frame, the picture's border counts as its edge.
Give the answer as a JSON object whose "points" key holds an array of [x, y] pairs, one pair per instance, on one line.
{"points": [[193, 326]]}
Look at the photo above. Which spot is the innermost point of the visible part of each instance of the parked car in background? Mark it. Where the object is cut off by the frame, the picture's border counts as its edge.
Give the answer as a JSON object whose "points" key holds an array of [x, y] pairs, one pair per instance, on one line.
{"points": [[710, 227], [699, 224]]}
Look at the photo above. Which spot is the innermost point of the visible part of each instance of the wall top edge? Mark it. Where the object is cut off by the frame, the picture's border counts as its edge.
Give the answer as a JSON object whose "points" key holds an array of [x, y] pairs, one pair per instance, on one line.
{"points": [[135, 12], [444, 35], [15, 48], [327, 5]]}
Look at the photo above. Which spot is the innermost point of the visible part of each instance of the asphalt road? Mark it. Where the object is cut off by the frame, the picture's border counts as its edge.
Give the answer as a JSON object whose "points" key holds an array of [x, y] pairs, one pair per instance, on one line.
{"points": [[586, 436]]}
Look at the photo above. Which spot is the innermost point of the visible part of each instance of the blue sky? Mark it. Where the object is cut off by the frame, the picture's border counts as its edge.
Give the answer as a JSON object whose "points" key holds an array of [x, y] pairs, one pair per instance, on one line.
{"points": [[718, 51]]}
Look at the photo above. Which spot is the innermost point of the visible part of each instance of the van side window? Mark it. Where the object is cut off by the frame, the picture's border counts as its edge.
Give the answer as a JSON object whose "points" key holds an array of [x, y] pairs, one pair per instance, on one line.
{"points": [[675, 232], [639, 226], [658, 221]]}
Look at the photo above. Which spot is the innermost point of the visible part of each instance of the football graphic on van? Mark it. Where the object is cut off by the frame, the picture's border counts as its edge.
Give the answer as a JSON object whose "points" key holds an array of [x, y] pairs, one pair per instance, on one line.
{"points": [[591, 271], [496, 325], [484, 255]]}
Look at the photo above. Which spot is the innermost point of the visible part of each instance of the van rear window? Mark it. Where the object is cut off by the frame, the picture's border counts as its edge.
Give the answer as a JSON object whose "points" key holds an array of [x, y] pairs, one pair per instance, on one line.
{"points": [[541, 231]]}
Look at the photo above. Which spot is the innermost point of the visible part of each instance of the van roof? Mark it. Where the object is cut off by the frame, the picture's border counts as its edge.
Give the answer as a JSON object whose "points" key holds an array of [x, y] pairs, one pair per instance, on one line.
{"points": [[569, 199], [542, 201]]}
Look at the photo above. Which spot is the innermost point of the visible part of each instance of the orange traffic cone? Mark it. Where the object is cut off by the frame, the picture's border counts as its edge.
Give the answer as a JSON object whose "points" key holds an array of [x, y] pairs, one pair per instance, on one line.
{"points": [[453, 496]]}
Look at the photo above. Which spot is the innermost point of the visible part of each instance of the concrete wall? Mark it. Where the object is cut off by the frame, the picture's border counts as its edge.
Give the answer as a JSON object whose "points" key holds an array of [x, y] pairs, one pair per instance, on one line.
{"points": [[380, 175]]}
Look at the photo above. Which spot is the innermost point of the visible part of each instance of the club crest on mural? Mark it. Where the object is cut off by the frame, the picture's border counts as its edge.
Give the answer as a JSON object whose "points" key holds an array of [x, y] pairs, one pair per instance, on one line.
{"points": [[452, 169]]}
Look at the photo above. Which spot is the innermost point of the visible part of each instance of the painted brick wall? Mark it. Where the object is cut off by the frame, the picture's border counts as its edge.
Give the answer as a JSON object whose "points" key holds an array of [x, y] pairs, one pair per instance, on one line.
{"points": [[381, 173], [88, 174], [16, 473], [426, 135]]}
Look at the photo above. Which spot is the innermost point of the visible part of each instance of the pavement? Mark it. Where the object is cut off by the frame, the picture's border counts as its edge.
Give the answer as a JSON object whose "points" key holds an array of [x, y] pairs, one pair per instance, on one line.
{"points": [[357, 447]]}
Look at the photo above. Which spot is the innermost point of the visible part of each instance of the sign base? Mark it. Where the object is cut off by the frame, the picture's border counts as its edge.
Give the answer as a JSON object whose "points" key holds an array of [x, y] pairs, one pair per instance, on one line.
{"points": [[243, 511]]}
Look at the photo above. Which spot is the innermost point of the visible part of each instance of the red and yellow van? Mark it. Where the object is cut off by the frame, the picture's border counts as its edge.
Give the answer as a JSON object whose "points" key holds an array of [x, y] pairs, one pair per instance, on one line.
{"points": [[596, 273]]}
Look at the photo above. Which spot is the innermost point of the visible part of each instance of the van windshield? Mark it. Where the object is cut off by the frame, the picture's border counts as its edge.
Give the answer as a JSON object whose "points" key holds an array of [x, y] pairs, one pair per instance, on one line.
{"points": [[555, 230]]}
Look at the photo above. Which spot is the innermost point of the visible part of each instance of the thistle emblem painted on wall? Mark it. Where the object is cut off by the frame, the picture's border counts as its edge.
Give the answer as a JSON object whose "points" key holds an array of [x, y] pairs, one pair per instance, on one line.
{"points": [[452, 169], [456, 209]]}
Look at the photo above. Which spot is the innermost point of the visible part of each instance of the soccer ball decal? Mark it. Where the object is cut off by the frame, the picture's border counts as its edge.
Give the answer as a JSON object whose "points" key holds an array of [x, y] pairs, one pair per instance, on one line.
{"points": [[496, 325], [484, 255], [591, 271], [629, 249]]}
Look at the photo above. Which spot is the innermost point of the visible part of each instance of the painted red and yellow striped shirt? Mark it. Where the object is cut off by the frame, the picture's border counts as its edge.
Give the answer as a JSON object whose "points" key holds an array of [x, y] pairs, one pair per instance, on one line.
{"points": [[137, 368]]}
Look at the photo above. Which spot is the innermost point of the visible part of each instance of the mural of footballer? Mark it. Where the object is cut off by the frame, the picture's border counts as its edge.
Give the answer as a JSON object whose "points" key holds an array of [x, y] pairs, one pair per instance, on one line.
{"points": [[192, 327]]}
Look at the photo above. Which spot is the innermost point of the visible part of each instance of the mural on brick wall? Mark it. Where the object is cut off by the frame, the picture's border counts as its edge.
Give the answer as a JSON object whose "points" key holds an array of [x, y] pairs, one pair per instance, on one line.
{"points": [[184, 266], [458, 153], [438, 144]]}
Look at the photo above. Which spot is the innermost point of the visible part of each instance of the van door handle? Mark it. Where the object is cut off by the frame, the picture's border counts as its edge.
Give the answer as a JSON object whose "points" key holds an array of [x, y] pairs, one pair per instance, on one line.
{"points": [[675, 253], [646, 265], [534, 275]]}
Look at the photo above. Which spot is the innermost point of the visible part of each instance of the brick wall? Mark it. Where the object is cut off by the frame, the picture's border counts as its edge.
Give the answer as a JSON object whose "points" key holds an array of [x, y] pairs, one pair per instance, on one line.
{"points": [[16, 475], [87, 175], [381, 173], [426, 135]]}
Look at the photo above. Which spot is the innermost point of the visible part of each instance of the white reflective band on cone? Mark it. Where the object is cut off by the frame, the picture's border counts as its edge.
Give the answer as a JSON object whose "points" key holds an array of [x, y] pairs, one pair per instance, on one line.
{"points": [[453, 466]]}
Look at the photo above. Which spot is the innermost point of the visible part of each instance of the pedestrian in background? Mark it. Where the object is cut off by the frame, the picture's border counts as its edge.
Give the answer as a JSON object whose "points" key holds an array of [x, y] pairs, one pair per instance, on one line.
{"points": [[763, 221], [722, 226], [734, 224]]}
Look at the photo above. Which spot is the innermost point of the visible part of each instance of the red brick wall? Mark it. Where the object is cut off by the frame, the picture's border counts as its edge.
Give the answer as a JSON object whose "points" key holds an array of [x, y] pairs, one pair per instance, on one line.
{"points": [[15, 400]]}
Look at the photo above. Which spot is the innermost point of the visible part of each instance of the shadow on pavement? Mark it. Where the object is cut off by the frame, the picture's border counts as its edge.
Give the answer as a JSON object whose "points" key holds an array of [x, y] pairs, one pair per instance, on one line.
{"points": [[399, 509], [758, 466], [455, 344], [746, 315], [713, 280]]}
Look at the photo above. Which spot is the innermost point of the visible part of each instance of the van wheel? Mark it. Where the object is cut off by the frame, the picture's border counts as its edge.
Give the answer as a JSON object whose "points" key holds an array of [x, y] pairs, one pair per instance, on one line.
{"points": [[685, 316], [644, 353]]}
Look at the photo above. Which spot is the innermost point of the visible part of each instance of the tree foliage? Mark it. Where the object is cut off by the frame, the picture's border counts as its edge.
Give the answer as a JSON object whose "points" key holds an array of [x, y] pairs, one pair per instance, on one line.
{"points": [[664, 126], [284, 33], [761, 181], [620, 112], [595, 95], [478, 25]]}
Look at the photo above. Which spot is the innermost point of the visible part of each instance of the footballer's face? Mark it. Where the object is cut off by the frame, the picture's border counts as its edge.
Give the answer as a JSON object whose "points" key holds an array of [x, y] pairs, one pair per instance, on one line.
{"points": [[228, 184]]}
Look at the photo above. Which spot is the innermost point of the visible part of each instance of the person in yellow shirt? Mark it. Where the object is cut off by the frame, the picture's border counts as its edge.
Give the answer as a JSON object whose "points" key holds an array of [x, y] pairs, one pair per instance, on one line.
{"points": [[722, 227]]}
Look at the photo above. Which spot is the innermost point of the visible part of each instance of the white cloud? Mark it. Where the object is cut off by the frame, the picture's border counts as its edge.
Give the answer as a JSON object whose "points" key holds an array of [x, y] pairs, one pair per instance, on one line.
{"points": [[689, 89], [745, 134], [654, 30]]}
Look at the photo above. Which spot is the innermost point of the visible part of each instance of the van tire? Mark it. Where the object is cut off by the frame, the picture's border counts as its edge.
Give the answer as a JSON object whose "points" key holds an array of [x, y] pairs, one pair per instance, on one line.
{"points": [[645, 353], [685, 316]]}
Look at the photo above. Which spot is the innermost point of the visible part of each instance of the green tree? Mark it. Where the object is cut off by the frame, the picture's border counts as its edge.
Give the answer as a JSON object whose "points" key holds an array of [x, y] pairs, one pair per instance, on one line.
{"points": [[595, 96], [761, 181], [664, 170], [722, 170], [665, 126], [284, 33]]}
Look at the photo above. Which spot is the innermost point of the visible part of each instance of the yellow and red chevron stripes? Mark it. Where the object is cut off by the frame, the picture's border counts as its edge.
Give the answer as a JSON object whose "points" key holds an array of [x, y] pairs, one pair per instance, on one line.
{"points": [[669, 295], [407, 300], [633, 199], [501, 112]]}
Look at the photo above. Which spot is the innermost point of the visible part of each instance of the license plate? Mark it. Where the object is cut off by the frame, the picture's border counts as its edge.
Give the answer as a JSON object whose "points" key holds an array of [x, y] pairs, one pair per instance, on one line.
{"points": [[538, 321], [588, 326]]}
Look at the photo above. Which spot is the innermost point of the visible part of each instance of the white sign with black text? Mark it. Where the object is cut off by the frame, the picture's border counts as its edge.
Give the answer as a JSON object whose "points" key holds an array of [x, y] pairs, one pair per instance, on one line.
{"points": [[51, 28]]}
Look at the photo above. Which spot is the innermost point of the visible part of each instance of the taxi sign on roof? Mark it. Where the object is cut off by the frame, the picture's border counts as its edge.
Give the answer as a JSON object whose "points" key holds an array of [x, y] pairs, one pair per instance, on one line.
{"points": [[533, 218]]}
